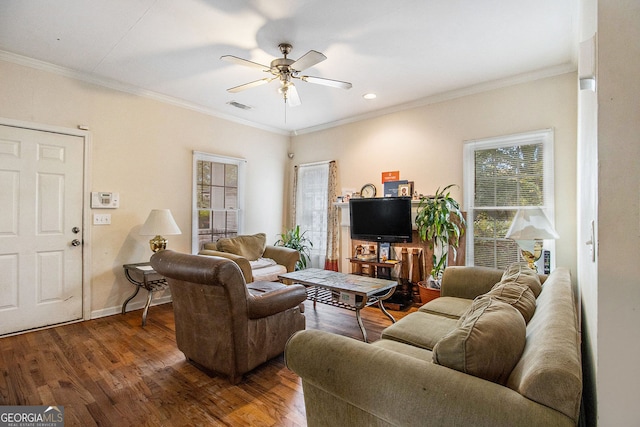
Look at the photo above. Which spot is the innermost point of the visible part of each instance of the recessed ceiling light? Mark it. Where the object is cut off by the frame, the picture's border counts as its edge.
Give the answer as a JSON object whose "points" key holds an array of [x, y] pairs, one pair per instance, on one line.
{"points": [[369, 96]]}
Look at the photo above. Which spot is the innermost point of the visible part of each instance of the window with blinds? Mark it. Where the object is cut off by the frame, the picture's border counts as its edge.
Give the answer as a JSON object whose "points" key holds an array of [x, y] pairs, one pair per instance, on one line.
{"points": [[501, 175]]}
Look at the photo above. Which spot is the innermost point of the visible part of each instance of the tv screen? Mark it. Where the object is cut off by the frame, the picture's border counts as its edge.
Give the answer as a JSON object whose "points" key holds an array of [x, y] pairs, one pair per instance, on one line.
{"points": [[381, 219]]}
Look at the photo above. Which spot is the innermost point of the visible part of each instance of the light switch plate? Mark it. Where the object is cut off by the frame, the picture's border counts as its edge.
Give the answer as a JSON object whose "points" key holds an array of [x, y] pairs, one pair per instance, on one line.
{"points": [[101, 219]]}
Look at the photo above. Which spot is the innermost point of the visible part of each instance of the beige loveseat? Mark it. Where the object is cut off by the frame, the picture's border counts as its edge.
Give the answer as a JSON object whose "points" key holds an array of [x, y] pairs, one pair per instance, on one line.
{"points": [[464, 359], [258, 261]]}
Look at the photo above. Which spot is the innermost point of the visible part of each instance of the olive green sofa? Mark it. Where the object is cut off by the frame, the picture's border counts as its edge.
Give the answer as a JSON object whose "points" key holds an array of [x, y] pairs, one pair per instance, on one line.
{"points": [[468, 358]]}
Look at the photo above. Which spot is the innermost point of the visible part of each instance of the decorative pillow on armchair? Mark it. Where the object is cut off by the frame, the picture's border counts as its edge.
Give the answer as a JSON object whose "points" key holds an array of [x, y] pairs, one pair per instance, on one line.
{"points": [[249, 247], [488, 341]]}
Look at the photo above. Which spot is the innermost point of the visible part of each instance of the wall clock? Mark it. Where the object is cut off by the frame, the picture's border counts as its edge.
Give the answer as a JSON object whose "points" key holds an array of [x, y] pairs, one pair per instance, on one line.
{"points": [[368, 190]]}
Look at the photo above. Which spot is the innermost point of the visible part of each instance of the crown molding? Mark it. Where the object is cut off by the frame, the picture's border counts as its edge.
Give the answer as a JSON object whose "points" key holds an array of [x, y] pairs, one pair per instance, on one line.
{"points": [[123, 87], [433, 99], [449, 95]]}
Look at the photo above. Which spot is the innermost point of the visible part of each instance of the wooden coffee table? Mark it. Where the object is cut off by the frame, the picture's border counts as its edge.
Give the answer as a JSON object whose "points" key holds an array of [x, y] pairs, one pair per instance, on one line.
{"points": [[349, 291]]}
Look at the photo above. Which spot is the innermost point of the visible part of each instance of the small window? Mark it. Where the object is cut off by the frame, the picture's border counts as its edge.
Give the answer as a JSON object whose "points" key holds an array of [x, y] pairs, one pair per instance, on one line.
{"points": [[217, 199], [502, 175]]}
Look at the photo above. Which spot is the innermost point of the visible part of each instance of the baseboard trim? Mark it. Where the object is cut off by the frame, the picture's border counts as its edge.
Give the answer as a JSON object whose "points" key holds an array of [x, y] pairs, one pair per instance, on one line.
{"points": [[133, 305]]}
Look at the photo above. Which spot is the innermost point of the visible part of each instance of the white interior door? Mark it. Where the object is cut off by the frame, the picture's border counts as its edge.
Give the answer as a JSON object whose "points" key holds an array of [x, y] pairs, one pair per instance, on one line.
{"points": [[41, 182]]}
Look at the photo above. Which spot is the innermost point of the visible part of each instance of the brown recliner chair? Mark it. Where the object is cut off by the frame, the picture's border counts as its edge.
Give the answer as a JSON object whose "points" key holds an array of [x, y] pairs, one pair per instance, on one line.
{"points": [[223, 325]]}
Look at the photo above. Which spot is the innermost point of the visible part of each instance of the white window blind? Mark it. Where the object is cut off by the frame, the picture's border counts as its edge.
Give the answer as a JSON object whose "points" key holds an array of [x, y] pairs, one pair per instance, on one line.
{"points": [[502, 175]]}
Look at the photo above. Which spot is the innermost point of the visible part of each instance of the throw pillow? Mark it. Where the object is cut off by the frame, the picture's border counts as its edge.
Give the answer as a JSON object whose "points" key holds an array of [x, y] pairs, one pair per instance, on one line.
{"points": [[487, 342], [520, 297], [520, 273], [249, 247]]}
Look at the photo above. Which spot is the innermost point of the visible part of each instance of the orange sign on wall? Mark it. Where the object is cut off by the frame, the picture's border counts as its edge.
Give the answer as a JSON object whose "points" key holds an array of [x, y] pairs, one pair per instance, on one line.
{"points": [[390, 176]]}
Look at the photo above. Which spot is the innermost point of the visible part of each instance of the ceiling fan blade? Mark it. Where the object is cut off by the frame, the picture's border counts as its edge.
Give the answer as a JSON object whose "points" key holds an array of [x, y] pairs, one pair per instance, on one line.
{"points": [[308, 60], [249, 85], [246, 63], [293, 99], [326, 82]]}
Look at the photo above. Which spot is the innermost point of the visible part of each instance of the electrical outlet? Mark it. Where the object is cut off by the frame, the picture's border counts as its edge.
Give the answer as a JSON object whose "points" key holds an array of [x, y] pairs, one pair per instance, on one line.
{"points": [[101, 219]]}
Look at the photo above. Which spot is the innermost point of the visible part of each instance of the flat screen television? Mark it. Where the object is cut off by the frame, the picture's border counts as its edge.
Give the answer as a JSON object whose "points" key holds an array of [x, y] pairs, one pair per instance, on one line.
{"points": [[381, 219]]}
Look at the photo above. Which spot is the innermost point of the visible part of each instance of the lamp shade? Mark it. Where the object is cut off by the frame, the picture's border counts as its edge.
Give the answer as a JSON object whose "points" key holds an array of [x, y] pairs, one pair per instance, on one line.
{"points": [[160, 222], [531, 224]]}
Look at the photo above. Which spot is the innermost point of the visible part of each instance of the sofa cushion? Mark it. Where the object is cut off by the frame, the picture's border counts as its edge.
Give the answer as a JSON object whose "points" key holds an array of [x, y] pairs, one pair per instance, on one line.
{"points": [[487, 342], [406, 349], [520, 273], [518, 296], [249, 247], [452, 307], [420, 329], [262, 263], [268, 274]]}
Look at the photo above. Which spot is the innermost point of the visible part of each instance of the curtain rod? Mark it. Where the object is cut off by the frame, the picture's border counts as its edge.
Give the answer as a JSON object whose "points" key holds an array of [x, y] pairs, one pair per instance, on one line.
{"points": [[325, 162]]}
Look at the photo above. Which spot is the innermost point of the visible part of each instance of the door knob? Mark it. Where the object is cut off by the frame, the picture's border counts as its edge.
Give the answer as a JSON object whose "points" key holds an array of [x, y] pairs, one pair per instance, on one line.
{"points": [[75, 242], [75, 230]]}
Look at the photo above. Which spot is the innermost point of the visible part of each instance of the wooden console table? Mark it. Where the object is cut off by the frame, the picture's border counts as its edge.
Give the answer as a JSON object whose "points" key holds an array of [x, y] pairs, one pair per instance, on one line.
{"points": [[381, 270]]}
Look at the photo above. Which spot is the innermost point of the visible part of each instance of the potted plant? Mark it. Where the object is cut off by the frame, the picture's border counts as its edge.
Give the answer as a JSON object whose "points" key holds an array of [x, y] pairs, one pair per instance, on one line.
{"points": [[440, 222], [295, 240]]}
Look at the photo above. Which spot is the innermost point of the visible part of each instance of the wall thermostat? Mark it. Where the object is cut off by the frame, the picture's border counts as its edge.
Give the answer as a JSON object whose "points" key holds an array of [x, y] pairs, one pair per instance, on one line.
{"points": [[103, 200]]}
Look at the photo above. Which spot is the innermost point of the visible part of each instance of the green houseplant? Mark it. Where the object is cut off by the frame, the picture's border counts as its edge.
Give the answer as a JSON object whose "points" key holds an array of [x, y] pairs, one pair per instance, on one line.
{"points": [[293, 239], [440, 222]]}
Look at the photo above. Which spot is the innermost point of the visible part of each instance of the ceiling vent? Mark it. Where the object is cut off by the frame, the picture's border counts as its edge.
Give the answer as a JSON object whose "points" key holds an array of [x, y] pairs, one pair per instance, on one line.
{"points": [[239, 105]]}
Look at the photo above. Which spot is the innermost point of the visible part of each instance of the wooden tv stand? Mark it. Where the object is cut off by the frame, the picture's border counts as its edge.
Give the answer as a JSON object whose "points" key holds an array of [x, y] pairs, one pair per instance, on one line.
{"points": [[381, 270]]}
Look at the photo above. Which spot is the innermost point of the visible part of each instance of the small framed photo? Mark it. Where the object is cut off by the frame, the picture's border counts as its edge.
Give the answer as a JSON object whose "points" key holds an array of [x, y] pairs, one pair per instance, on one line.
{"points": [[347, 193], [405, 190], [384, 251]]}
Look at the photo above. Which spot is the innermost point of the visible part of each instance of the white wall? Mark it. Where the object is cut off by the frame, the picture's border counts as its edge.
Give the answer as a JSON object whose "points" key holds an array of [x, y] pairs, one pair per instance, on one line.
{"points": [[425, 143], [587, 205], [618, 306], [142, 149]]}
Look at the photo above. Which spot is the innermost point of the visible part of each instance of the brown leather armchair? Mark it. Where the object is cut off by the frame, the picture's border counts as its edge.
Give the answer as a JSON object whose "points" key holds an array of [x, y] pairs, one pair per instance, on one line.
{"points": [[223, 325]]}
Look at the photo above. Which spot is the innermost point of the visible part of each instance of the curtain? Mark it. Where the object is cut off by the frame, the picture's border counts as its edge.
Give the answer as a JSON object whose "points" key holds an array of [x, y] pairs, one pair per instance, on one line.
{"points": [[333, 247], [292, 213]]}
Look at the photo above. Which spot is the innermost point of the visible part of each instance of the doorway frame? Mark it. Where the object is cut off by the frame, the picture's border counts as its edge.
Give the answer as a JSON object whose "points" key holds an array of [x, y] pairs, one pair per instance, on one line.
{"points": [[85, 134]]}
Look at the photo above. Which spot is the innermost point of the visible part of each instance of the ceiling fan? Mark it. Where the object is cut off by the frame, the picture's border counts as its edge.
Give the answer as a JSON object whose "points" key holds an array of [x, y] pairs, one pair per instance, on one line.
{"points": [[286, 70]]}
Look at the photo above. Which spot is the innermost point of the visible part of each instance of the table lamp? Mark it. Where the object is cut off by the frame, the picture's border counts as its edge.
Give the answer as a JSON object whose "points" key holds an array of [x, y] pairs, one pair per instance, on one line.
{"points": [[159, 222], [529, 228]]}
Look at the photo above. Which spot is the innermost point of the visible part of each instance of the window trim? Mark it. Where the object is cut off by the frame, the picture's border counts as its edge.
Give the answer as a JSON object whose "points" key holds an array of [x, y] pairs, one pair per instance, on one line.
{"points": [[241, 163], [544, 136], [318, 249]]}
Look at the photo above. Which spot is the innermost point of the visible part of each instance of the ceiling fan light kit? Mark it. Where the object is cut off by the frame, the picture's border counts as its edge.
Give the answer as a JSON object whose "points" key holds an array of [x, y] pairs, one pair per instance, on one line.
{"points": [[285, 70]]}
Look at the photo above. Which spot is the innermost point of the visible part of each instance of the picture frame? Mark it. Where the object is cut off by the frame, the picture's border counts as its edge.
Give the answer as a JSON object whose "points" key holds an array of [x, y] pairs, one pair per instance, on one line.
{"points": [[405, 190], [347, 193], [391, 188], [384, 251]]}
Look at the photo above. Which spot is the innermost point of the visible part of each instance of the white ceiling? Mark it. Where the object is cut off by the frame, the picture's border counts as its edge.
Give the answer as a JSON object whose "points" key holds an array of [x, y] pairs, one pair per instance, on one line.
{"points": [[406, 51]]}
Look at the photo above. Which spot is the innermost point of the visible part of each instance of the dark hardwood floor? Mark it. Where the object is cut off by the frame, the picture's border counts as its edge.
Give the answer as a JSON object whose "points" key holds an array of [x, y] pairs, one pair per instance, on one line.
{"points": [[113, 372]]}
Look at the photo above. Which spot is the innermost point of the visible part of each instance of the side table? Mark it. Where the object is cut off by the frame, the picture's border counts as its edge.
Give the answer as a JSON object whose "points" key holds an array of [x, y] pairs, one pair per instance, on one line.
{"points": [[142, 275]]}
